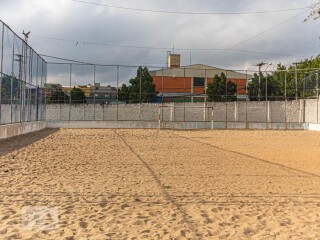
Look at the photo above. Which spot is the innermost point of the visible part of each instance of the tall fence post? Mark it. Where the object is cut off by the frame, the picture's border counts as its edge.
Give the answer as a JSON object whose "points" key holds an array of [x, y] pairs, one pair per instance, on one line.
{"points": [[247, 99], [285, 99], [28, 88], [162, 85], [226, 102], [205, 96], [12, 74], [37, 84], [118, 92], [70, 79], [296, 83], [94, 95], [266, 102], [140, 93], [1, 69], [184, 90], [317, 96]]}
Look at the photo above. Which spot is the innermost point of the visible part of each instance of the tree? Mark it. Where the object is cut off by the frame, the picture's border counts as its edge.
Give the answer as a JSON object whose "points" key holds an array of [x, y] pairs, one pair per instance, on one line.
{"points": [[134, 93], [216, 91], [315, 11], [59, 97], [77, 96], [282, 82], [123, 93], [268, 85]]}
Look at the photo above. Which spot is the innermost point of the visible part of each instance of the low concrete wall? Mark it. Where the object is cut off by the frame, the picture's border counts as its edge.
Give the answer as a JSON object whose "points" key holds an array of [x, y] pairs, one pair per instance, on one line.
{"points": [[11, 130], [173, 125], [312, 127], [259, 112]]}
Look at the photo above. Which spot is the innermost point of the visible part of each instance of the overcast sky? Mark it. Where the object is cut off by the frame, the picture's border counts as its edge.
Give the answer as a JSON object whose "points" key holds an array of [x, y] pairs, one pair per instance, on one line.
{"points": [[70, 20]]}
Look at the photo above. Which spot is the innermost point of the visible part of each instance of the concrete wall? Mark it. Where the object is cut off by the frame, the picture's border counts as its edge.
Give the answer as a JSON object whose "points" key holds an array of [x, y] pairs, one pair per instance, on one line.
{"points": [[7, 111], [11, 130], [174, 125], [301, 111]]}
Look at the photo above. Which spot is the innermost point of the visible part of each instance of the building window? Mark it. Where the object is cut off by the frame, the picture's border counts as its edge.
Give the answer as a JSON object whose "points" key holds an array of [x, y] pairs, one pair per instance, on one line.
{"points": [[198, 82]]}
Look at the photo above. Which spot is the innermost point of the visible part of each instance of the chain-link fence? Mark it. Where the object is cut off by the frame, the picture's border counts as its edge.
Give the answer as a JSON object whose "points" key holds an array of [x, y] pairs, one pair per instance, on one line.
{"points": [[22, 79], [89, 92]]}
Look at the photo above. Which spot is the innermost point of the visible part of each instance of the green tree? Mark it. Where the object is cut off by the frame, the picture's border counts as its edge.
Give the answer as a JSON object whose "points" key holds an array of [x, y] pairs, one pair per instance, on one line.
{"points": [[77, 96], [144, 93], [59, 97], [268, 85], [216, 91], [123, 93], [315, 11]]}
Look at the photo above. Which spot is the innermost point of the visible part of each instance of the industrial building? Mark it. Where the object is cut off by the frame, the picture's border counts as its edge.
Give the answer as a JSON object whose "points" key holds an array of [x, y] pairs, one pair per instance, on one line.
{"points": [[181, 82]]}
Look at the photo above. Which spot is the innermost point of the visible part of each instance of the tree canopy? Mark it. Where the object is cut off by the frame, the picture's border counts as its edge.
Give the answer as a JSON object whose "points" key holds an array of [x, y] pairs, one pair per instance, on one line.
{"points": [[216, 91], [315, 11], [131, 93], [59, 97], [282, 82], [77, 96]]}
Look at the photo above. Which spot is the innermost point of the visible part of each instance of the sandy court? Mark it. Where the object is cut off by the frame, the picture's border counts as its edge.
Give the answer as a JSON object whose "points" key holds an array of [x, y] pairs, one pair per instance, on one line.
{"points": [[150, 184]]}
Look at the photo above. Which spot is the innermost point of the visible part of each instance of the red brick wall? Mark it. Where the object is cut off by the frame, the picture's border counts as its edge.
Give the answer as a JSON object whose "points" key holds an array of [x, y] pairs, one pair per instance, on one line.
{"points": [[181, 85]]}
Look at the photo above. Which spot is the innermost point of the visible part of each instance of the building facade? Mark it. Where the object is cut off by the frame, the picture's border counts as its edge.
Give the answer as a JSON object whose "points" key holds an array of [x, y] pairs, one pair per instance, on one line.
{"points": [[191, 81]]}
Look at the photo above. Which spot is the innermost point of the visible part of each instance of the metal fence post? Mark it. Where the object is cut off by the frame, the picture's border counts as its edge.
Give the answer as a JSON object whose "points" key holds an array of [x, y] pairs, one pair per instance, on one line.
{"points": [[94, 95], [184, 100], [246, 98], [118, 69], [70, 79], [1, 69], [266, 102], [37, 84], [296, 83], [285, 99], [317, 96], [205, 96], [226, 102], [12, 74]]}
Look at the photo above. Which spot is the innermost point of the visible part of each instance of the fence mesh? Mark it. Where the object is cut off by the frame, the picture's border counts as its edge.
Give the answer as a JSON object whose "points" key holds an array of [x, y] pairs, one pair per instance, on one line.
{"points": [[87, 92], [22, 79]]}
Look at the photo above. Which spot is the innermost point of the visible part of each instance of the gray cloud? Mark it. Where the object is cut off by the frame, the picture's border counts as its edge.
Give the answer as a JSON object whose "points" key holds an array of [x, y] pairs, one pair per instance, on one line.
{"points": [[71, 20]]}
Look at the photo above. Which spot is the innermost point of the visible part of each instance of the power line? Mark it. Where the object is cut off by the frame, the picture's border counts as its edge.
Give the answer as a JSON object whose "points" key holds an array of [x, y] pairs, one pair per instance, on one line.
{"points": [[191, 13], [100, 44], [77, 42], [255, 36]]}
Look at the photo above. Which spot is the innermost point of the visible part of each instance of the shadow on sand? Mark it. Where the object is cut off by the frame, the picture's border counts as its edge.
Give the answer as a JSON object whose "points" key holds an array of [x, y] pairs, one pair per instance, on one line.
{"points": [[17, 142]]}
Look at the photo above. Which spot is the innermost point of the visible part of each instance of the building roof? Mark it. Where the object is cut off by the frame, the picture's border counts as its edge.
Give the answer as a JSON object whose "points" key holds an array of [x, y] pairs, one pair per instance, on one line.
{"points": [[198, 70]]}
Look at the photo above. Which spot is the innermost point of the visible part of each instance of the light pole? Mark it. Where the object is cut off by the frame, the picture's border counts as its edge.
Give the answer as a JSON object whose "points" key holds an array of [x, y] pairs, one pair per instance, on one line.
{"points": [[267, 80], [260, 65]]}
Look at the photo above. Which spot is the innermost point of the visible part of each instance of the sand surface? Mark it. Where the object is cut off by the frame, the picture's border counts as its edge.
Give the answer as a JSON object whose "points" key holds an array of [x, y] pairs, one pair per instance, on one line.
{"points": [[150, 184]]}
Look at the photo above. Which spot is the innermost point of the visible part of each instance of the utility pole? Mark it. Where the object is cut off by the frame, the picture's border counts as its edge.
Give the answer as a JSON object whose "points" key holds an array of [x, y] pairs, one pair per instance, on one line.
{"points": [[260, 65], [296, 79], [26, 36]]}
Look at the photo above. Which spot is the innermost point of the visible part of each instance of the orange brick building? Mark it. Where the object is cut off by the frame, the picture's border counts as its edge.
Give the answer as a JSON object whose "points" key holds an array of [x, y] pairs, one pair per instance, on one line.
{"points": [[191, 81]]}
